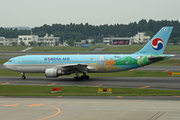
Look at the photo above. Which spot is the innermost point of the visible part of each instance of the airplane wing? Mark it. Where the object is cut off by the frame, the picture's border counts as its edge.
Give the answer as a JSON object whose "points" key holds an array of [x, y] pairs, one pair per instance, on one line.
{"points": [[73, 67]]}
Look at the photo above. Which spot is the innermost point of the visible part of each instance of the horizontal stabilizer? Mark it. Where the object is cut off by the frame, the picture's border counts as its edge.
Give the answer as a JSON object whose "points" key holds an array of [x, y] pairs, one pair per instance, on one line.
{"points": [[156, 58]]}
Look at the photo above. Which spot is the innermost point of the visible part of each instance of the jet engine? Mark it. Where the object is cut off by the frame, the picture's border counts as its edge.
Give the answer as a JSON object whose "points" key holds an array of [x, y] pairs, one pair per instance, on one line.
{"points": [[54, 73]]}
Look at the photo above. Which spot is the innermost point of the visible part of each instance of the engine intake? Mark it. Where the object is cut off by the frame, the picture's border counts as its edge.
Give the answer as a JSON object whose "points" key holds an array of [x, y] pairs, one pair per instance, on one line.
{"points": [[54, 73]]}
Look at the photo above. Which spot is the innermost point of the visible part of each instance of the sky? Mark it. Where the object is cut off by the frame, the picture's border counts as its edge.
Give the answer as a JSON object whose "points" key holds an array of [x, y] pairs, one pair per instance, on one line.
{"points": [[36, 13]]}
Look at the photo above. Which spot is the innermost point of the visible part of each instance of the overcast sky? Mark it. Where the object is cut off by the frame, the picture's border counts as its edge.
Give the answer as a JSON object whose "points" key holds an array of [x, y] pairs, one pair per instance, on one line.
{"points": [[35, 13]]}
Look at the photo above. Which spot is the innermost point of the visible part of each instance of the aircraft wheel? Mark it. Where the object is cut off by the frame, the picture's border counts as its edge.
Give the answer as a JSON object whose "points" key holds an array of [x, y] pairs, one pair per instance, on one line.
{"points": [[87, 77], [75, 78], [23, 77]]}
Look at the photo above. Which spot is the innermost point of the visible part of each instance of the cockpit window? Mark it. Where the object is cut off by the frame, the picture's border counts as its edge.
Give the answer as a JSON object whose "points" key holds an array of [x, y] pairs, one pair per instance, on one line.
{"points": [[10, 61]]}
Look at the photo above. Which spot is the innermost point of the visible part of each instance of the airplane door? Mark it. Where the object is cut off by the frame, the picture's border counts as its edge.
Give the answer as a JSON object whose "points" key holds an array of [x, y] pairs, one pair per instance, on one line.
{"points": [[41, 60], [19, 60]]}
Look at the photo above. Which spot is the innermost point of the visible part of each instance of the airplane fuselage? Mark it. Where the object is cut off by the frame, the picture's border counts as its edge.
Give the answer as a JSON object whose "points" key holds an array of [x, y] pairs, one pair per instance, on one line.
{"points": [[95, 63]]}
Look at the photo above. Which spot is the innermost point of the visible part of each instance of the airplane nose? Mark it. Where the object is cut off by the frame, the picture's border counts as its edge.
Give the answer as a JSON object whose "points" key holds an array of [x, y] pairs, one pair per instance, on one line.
{"points": [[5, 65]]}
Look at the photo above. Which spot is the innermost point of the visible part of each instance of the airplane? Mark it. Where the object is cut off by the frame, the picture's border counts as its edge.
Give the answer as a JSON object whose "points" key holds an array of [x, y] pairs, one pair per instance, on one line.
{"points": [[58, 65]]}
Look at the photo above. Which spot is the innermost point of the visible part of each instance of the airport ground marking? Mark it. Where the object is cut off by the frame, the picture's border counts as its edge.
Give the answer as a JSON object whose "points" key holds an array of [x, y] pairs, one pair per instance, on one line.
{"points": [[97, 85], [1, 96], [131, 70], [59, 96], [144, 87], [119, 96], [51, 115], [36, 105], [5, 83], [12, 105], [51, 84], [176, 96], [165, 70]]}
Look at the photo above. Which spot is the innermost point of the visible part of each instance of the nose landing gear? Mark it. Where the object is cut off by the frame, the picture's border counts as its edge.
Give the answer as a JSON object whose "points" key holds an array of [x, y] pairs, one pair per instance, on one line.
{"points": [[23, 76]]}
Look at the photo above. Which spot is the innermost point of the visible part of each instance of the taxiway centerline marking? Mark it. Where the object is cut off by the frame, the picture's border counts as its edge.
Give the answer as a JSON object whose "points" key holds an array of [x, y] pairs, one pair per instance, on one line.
{"points": [[51, 84], [176, 96], [119, 96], [5, 83], [97, 85], [165, 70], [131, 70], [144, 87], [12, 105]]}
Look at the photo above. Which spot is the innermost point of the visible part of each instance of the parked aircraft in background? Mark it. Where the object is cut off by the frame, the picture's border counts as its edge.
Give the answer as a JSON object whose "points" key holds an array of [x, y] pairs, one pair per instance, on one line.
{"points": [[58, 65]]}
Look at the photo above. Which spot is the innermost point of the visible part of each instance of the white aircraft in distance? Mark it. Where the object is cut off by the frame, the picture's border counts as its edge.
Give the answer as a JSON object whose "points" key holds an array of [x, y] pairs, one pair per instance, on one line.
{"points": [[58, 65]]}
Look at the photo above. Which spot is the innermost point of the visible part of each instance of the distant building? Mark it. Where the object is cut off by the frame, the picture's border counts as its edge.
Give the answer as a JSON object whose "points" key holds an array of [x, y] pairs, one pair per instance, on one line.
{"points": [[117, 41], [27, 38], [7, 41], [48, 40], [140, 38]]}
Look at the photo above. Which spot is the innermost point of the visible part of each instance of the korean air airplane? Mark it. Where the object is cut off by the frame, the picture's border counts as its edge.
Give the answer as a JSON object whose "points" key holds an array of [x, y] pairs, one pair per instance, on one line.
{"points": [[58, 65]]}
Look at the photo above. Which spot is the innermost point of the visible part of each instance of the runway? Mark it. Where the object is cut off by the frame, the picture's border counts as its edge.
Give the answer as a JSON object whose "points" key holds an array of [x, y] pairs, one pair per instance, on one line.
{"points": [[172, 83]]}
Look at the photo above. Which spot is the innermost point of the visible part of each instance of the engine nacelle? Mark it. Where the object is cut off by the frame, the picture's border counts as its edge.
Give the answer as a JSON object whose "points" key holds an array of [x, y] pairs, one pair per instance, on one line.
{"points": [[51, 73], [54, 73]]}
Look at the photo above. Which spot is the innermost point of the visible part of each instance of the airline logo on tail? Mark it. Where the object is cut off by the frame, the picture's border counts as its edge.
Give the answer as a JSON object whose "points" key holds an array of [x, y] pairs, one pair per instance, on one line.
{"points": [[157, 44]]}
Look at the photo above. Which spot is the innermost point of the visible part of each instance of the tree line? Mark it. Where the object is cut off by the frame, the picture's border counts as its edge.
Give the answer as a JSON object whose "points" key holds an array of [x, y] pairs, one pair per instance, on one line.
{"points": [[87, 31]]}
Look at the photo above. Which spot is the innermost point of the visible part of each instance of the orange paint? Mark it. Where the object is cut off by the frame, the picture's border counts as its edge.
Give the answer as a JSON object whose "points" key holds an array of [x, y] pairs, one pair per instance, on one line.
{"points": [[119, 96], [12, 105], [51, 115], [5, 83], [51, 84], [144, 87], [97, 85], [36, 105]]}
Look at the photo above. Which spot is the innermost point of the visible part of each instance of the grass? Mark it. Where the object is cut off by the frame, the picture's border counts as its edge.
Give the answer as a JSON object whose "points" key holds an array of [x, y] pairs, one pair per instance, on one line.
{"points": [[27, 90], [12, 48], [135, 48], [6, 72]]}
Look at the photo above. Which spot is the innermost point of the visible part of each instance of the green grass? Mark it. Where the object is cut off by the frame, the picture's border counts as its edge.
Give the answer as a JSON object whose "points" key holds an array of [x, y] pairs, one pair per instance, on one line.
{"points": [[2, 61], [12, 48], [5, 72], [135, 48], [66, 48], [27, 90]]}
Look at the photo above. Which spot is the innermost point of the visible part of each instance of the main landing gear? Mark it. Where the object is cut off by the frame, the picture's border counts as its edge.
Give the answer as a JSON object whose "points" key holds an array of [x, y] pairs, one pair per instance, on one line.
{"points": [[23, 76], [84, 76]]}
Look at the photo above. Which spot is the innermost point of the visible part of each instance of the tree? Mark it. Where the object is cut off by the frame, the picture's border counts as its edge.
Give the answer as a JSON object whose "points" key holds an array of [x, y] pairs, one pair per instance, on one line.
{"points": [[14, 43], [93, 42], [57, 43], [70, 42], [22, 43], [33, 43], [87, 42], [78, 39]]}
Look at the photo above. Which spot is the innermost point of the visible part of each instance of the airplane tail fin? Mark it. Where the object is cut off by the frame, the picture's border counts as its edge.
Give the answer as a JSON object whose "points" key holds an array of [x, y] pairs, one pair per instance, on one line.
{"points": [[158, 43]]}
